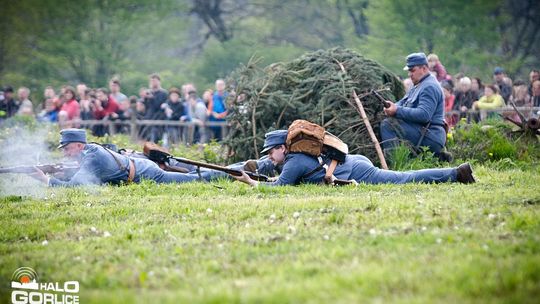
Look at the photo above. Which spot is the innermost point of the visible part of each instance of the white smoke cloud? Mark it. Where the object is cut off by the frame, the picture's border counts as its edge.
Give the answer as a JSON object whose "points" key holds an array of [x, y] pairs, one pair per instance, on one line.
{"points": [[21, 146]]}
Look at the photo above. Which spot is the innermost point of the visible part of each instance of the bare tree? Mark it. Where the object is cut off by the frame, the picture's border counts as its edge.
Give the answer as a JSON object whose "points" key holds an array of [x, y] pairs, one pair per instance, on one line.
{"points": [[211, 12], [355, 9]]}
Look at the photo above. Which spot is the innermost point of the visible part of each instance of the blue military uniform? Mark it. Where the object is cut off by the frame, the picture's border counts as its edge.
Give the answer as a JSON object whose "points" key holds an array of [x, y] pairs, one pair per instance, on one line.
{"points": [[303, 168], [99, 166], [422, 105], [264, 167], [264, 164]]}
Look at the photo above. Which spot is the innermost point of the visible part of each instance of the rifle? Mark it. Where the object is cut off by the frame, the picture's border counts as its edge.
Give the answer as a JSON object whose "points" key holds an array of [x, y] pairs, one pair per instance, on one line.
{"points": [[162, 157], [380, 98], [47, 168]]}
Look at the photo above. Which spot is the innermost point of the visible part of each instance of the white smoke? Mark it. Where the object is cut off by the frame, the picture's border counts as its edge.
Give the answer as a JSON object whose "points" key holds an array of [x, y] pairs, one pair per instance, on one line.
{"points": [[22, 146]]}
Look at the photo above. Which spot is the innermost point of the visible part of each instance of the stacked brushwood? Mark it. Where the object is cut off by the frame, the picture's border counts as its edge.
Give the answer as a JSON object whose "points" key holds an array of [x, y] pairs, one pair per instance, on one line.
{"points": [[313, 87]]}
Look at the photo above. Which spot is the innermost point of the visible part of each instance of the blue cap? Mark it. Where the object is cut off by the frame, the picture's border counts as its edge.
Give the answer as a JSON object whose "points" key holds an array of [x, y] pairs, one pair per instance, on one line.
{"points": [[498, 70], [415, 59], [72, 135], [274, 138]]}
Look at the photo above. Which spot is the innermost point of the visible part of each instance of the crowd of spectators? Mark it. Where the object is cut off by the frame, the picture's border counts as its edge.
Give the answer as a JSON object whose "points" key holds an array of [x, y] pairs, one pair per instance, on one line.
{"points": [[465, 98], [76, 107], [468, 98]]}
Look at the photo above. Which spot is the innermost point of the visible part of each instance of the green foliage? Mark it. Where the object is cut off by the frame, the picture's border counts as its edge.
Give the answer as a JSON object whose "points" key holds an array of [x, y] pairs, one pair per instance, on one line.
{"points": [[214, 153], [402, 159], [57, 42], [401, 27], [20, 122], [219, 59], [492, 141], [211, 152]]}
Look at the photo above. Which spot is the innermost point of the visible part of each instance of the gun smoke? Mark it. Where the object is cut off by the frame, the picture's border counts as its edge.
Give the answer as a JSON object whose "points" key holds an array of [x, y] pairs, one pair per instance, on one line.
{"points": [[22, 146]]}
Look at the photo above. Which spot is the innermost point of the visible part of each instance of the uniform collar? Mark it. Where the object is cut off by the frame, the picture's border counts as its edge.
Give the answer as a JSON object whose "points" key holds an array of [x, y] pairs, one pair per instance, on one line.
{"points": [[424, 78], [420, 82]]}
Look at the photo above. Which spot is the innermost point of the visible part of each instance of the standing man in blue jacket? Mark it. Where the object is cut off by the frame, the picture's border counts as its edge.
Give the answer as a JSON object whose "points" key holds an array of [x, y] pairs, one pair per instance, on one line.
{"points": [[419, 116]]}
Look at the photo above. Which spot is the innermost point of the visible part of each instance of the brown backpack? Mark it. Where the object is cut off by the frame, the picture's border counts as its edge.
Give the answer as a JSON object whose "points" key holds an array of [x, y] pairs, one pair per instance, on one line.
{"points": [[306, 137]]}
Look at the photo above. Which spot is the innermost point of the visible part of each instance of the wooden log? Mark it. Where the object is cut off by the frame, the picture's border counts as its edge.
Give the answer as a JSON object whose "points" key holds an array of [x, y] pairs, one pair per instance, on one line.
{"points": [[374, 139]]}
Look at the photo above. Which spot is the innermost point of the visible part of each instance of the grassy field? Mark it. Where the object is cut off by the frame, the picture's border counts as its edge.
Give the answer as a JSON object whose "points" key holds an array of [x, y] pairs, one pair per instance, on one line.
{"points": [[226, 242]]}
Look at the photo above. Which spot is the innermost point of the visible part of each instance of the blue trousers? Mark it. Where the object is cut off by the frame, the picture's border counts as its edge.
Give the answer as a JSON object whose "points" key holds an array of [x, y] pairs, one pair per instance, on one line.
{"points": [[147, 169], [394, 130], [364, 171]]}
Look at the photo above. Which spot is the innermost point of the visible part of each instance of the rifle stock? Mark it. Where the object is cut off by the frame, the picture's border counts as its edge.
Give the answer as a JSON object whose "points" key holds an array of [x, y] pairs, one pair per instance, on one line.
{"points": [[380, 98], [162, 157], [47, 168]]}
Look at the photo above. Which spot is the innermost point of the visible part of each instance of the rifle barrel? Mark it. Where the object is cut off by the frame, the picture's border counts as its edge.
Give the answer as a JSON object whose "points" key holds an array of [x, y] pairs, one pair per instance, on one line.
{"points": [[18, 169], [258, 177], [48, 168]]}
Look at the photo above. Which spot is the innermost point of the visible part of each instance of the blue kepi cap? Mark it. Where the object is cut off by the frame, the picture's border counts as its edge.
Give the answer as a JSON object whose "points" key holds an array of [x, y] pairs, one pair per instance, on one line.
{"points": [[415, 59], [72, 135], [274, 138]]}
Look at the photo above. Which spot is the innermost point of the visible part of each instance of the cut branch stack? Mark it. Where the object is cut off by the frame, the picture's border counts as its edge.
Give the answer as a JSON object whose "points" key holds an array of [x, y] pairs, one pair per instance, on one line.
{"points": [[313, 87]]}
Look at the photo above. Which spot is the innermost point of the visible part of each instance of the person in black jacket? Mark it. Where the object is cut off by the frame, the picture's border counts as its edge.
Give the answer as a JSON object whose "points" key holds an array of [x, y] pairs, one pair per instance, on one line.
{"points": [[8, 106], [154, 108], [175, 110], [499, 79]]}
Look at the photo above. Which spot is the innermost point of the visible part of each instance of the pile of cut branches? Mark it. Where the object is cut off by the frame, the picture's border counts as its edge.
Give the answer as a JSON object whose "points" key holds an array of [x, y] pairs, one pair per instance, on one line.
{"points": [[317, 87]]}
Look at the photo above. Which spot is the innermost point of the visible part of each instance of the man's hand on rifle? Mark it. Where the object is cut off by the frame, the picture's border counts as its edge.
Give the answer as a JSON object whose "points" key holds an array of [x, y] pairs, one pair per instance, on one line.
{"points": [[246, 179], [391, 110], [39, 175]]}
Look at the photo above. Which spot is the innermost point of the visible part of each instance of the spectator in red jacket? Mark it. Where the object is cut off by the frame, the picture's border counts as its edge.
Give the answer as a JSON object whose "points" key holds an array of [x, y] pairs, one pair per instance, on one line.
{"points": [[104, 107], [70, 111], [104, 104], [449, 98]]}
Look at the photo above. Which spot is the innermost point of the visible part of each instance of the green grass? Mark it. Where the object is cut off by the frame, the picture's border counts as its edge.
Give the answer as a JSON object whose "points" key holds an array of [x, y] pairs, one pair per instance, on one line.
{"points": [[196, 242]]}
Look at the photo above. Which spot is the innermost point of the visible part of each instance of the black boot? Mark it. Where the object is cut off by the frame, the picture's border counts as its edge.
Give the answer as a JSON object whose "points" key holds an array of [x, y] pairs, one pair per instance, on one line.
{"points": [[464, 174]]}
